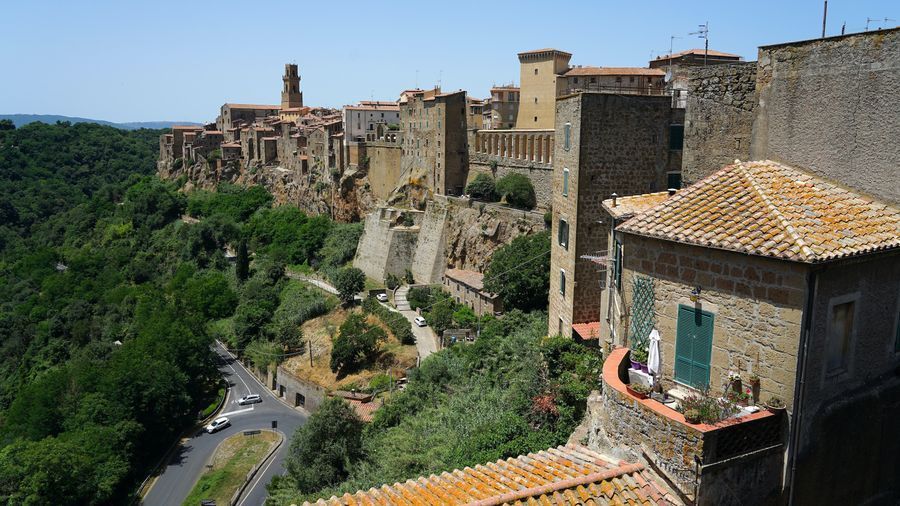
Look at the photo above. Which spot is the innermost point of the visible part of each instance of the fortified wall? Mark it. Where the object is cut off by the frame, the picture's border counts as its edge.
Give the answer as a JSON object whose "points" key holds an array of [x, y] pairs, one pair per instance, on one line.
{"points": [[527, 152], [451, 232]]}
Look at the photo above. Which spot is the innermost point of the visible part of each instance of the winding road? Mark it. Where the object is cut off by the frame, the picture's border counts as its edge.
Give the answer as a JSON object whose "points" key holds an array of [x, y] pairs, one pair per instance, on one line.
{"points": [[190, 459]]}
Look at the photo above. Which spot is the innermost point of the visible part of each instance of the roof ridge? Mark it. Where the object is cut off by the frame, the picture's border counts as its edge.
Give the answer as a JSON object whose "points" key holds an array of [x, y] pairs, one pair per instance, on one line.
{"points": [[789, 228]]}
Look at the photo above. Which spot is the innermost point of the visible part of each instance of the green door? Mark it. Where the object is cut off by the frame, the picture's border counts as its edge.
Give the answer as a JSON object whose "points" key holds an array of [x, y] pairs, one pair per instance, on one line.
{"points": [[693, 347]]}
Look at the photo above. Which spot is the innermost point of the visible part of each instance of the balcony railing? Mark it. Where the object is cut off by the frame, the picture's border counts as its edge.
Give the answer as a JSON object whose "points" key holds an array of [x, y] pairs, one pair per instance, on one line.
{"points": [[613, 88], [529, 146]]}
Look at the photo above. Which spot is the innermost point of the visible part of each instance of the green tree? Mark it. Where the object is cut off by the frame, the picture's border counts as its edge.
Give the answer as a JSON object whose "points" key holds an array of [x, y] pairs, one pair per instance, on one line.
{"points": [[517, 190], [520, 272], [349, 281], [210, 294], [357, 343], [7, 124], [242, 262], [482, 188], [323, 451]]}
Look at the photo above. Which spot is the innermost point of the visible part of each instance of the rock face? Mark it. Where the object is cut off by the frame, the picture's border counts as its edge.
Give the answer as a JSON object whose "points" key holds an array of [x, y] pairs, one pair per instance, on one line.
{"points": [[345, 198]]}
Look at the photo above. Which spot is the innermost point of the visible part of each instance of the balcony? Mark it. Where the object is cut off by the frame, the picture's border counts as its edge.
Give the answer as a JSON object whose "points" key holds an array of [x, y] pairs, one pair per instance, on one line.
{"points": [[523, 146], [705, 462]]}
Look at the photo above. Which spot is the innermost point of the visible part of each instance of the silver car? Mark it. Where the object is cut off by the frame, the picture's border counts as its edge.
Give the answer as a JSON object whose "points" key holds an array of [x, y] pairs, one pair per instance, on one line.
{"points": [[218, 424], [249, 399]]}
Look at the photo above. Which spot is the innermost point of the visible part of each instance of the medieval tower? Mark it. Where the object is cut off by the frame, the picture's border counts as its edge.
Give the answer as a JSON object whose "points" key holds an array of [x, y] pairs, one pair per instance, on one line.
{"points": [[291, 96]]}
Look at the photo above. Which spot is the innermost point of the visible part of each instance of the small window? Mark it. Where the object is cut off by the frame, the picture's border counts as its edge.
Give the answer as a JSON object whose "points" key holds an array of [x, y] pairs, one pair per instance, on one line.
{"points": [[567, 136], [673, 180], [593, 80], [631, 79], [676, 137], [565, 190], [840, 331], [563, 233], [535, 119], [562, 282], [575, 80], [535, 100], [618, 79], [535, 71]]}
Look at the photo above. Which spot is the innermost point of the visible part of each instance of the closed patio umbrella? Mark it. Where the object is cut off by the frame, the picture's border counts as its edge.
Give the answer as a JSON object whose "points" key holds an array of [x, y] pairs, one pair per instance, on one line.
{"points": [[653, 353]]}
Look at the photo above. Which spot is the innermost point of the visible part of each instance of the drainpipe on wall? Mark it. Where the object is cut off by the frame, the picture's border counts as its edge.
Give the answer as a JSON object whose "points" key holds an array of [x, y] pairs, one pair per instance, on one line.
{"points": [[812, 283], [611, 284]]}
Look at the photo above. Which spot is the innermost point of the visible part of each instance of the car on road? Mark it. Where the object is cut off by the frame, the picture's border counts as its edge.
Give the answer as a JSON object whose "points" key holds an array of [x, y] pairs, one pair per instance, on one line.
{"points": [[249, 399], [420, 321], [382, 297], [218, 424]]}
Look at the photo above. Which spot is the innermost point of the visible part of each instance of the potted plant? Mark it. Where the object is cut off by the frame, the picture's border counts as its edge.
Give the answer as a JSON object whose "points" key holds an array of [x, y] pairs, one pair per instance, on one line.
{"points": [[739, 398], [754, 388], [638, 390], [775, 405], [639, 358], [734, 380], [692, 416]]}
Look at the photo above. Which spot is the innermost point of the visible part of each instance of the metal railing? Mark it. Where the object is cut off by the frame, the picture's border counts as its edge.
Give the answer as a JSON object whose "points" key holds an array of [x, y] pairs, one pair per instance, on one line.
{"points": [[623, 89]]}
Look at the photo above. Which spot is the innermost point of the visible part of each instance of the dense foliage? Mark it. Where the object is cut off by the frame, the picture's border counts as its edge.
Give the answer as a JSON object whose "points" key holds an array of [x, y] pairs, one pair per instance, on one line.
{"points": [[519, 272], [356, 344], [517, 190], [482, 188], [348, 281], [511, 392], [395, 321]]}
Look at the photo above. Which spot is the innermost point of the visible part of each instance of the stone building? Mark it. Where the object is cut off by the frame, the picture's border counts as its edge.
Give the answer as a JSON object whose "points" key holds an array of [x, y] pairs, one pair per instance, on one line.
{"points": [[606, 143], [826, 105], [232, 114], [539, 86], [361, 121], [474, 113], [769, 271], [434, 139], [679, 65], [467, 288], [502, 108], [291, 96], [641, 81]]}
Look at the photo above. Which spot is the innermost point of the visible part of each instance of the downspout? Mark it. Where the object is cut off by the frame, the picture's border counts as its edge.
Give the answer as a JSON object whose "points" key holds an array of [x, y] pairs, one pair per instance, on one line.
{"points": [[812, 283], [612, 284]]}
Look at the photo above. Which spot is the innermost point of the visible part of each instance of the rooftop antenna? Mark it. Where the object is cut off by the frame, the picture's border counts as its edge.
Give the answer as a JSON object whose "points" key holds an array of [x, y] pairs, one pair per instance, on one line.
{"points": [[671, 46], [869, 20], [824, 17], [843, 27], [417, 79], [703, 33]]}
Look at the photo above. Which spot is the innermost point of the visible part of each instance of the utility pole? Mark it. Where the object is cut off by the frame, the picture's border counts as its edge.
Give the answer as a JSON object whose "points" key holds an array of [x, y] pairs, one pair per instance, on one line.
{"points": [[703, 33], [824, 17]]}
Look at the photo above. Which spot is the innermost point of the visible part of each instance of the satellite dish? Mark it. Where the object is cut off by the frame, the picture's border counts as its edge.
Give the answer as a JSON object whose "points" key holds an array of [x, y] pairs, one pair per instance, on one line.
{"points": [[668, 75]]}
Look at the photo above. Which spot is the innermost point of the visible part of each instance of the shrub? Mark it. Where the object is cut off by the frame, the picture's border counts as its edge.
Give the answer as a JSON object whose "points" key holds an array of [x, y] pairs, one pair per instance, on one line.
{"points": [[482, 187], [356, 344], [708, 409], [419, 297], [349, 281], [392, 282], [399, 325], [519, 272], [517, 190]]}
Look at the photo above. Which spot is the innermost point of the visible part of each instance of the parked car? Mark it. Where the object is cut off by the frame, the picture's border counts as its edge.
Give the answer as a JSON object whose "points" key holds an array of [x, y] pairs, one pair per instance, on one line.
{"points": [[249, 399], [420, 321], [382, 297], [218, 424]]}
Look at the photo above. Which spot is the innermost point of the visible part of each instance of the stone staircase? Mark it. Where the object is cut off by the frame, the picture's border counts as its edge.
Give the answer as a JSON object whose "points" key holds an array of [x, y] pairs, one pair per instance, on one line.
{"points": [[400, 298]]}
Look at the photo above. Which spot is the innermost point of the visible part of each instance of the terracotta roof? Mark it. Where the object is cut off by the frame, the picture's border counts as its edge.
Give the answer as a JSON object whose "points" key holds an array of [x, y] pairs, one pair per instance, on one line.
{"points": [[253, 106], [627, 207], [212, 132], [365, 410], [770, 209], [699, 52], [590, 330], [470, 278], [231, 145], [613, 71], [187, 127], [566, 475]]}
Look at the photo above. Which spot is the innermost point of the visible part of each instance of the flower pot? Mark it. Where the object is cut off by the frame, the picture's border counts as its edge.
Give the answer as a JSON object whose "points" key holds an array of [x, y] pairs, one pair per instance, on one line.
{"points": [[775, 409], [736, 385], [635, 365], [754, 387], [635, 394], [644, 367]]}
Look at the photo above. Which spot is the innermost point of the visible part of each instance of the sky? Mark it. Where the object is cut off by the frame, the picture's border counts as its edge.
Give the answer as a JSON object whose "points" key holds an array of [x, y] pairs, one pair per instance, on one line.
{"points": [[180, 60]]}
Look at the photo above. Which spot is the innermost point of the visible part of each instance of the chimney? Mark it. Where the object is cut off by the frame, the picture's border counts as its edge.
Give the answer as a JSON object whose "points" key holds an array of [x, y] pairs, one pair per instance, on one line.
{"points": [[614, 199], [672, 191]]}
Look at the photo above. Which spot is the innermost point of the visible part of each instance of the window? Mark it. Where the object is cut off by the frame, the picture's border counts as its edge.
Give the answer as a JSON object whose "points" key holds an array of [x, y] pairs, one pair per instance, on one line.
{"points": [[593, 80], [575, 80], [673, 180], [840, 331], [693, 346], [535, 100], [676, 137], [631, 79], [535, 119], [567, 136], [618, 79], [565, 191], [535, 71], [563, 233], [562, 282]]}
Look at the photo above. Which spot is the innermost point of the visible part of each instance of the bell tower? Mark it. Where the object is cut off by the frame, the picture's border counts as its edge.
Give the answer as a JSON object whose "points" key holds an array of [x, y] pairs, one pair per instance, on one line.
{"points": [[291, 96]]}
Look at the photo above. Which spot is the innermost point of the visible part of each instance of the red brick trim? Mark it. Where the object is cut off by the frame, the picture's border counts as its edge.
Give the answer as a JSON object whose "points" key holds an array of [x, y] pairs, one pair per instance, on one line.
{"points": [[612, 380]]}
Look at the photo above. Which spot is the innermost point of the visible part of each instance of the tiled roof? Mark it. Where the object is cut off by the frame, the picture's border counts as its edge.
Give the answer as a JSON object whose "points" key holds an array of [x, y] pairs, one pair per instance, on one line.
{"points": [[253, 106], [590, 330], [770, 209], [545, 50], [567, 475], [470, 278], [628, 206], [699, 52], [613, 71]]}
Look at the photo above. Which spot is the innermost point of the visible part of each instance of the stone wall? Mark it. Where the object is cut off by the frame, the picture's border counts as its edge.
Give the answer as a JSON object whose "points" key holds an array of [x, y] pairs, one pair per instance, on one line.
{"points": [[384, 247], [299, 392], [540, 175], [429, 259], [619, 143], [721, 102], [383, 168], [757, 305], [830, 106]]}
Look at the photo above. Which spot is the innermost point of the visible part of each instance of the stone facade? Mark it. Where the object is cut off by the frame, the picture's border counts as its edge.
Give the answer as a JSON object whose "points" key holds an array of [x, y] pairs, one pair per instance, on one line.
{"points": [[383, 167], [829, 105], [502, 108], [541, 176], [539, 86], [721, 103], [617, 143], [298, 392], [467, 288], [387, 246], [435, 140]]}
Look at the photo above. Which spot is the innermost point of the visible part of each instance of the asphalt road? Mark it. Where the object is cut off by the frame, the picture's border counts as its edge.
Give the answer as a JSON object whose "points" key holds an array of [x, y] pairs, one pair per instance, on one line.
{"points": [[190, 459]]}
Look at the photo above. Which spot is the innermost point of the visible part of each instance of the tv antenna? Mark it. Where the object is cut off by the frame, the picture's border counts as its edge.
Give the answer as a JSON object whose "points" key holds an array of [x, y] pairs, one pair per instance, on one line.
{"points": [[703, 33], [869, 20]]}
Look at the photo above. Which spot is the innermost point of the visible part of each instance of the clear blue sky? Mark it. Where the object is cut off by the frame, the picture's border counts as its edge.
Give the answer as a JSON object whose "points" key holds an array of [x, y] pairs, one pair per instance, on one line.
{"points": [[167, 60]]}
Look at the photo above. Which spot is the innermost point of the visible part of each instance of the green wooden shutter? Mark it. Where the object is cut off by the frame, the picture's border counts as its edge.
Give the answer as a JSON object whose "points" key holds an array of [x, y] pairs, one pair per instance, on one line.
{"points": [[693, 347]]}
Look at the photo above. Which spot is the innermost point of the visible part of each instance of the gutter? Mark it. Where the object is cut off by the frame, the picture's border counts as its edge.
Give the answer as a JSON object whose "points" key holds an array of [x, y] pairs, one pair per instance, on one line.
{"points": [[812, 283]]}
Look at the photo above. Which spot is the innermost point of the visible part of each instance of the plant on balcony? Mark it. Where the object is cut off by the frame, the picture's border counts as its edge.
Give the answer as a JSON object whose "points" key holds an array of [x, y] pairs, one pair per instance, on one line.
{"points": [[739, 398], [709, 409], [775, 404], [754, 387], [692, 416], [639, 358], [638, 390]]}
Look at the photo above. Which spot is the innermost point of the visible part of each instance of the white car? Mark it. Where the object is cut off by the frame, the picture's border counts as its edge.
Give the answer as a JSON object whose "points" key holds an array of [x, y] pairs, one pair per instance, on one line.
{"points": [[382, 297], [218, 424], [420, 321], [249, 399]]}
